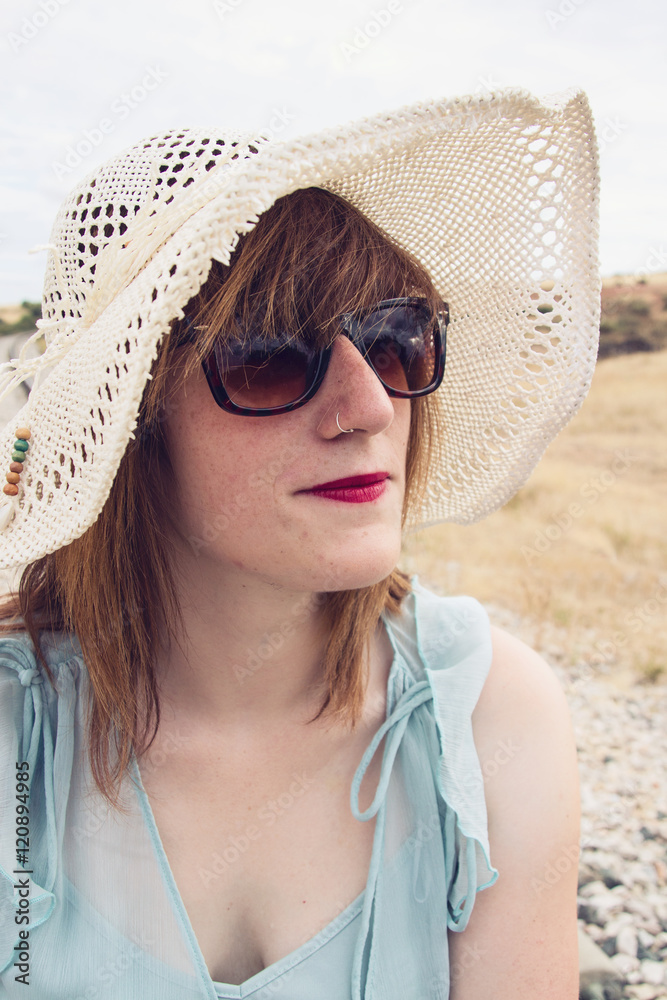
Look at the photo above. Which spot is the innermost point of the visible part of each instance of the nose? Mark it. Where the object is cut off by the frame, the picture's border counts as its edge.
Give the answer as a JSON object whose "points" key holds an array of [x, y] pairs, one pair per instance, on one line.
{"points": [[352, 389]]}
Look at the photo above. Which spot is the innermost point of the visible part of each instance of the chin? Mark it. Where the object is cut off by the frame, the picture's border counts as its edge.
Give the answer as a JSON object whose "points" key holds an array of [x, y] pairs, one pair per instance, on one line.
{"points": [[361, 569]]}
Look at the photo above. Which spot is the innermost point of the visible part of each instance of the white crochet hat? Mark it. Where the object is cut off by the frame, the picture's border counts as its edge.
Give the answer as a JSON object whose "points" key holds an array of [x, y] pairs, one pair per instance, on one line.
{"points": [[496, 195]]}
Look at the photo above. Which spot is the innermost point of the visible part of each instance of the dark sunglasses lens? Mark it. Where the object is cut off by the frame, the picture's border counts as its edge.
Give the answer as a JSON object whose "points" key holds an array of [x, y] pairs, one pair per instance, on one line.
{"points": [[400, 340], [265, 374], [399, 343]]}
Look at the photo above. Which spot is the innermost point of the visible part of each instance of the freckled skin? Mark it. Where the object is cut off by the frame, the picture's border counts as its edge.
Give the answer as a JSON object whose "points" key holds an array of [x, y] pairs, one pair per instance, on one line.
{"points": [[245, 507]]}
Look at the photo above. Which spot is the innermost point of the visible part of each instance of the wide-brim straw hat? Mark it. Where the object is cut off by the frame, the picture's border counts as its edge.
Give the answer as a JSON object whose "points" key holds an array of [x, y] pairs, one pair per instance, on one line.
{"points": [[496, 195]]}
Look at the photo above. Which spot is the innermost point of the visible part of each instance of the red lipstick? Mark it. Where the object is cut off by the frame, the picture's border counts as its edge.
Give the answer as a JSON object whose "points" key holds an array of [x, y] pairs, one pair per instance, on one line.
{"points": [[353, 489]]}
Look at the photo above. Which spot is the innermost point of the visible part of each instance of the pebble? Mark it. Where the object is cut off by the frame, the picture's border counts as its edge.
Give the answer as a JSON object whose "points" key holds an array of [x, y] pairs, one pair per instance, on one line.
{"points": [[653, 972], [621, 734], [644, 991], [626, 941]]}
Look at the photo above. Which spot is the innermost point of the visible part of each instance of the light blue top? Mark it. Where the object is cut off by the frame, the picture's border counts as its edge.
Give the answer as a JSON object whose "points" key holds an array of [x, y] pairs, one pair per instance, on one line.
{"points": [[104, 919]]}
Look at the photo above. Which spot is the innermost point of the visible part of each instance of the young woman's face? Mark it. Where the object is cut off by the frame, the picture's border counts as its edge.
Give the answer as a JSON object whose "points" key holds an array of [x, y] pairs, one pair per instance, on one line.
{"points": [[245, 495]]}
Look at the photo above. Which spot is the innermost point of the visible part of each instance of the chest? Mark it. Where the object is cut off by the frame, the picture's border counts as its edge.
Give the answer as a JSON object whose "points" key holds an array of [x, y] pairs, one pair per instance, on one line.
{"points": [[265, 851]]}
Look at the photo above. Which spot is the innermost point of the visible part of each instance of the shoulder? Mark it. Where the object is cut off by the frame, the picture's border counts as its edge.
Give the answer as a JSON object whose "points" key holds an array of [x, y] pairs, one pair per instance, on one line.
{"points": [[526, 923], [29, 697], [18, 661], [509, 683], [450, 631], [521, 695], [17, 652], [517, 667], [524, 738]]}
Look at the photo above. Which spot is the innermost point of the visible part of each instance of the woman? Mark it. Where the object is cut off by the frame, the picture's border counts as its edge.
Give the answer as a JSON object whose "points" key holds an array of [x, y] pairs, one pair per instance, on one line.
{"points": [[240, 747]]}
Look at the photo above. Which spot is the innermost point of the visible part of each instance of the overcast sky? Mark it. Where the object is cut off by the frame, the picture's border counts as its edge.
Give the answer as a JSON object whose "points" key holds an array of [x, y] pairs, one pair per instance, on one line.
{"points": [[142, 66]]}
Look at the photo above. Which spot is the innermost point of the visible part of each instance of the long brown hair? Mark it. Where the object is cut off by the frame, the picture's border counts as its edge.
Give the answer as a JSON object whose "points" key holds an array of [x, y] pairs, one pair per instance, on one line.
{"points": [[310, 257]]}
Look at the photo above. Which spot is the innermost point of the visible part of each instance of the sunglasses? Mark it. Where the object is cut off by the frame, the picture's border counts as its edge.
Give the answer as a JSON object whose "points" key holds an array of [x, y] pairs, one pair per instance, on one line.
{"points": [[400, 339]]}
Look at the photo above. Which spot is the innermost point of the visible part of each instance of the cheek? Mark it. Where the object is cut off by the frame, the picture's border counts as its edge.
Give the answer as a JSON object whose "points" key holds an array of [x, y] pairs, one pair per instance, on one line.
{"points": [[402, 418], [216, 473], [201, 453], [225, 468]]}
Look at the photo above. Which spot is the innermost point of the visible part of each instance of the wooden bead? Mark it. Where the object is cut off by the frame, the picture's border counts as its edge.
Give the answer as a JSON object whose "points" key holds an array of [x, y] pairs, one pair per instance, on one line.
{"points": [[21, 445], [23, 433], [16, 466], [12, 477], [10, 490], [18, 456]]}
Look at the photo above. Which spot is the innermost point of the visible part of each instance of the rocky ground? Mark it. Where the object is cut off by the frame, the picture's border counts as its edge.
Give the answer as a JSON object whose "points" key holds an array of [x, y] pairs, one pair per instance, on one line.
{"points": [[621, 732]]}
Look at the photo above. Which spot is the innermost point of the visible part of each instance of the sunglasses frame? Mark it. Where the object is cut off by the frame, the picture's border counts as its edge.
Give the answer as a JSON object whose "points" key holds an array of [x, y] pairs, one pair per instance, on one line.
{"points": [[211, 364]]}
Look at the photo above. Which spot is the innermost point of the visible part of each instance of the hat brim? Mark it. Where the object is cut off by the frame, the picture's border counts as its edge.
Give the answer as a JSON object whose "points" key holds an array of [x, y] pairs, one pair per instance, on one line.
{"points": [[496, 195]]}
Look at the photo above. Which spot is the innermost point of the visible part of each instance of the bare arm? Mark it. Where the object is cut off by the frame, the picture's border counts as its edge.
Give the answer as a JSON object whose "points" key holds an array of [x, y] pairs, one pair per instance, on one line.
{"points": [[521, 940]]}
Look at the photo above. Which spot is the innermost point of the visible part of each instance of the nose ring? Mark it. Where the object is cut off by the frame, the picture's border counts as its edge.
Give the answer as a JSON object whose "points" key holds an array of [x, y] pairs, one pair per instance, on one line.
{"points": [[342, 429]]}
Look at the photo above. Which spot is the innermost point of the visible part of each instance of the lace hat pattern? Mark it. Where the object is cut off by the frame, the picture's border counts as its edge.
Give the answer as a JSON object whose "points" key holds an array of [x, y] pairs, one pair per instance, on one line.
{"points": [[496, 195]]}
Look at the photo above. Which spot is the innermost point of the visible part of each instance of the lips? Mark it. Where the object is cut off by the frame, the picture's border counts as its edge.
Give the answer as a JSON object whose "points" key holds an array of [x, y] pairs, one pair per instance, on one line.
{"points": [[353, 489]]}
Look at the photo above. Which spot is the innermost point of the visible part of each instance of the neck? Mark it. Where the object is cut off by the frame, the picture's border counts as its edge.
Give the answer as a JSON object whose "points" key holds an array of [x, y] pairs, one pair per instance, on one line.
{"points": [[249, 653]]}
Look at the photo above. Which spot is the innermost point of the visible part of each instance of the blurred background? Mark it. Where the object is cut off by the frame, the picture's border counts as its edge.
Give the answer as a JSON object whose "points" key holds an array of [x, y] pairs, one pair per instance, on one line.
{"points": [[576, 562]]}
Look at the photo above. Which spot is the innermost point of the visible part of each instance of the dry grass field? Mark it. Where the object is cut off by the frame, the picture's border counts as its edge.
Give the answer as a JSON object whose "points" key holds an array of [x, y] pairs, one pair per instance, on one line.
{"points": [[584, 544]]}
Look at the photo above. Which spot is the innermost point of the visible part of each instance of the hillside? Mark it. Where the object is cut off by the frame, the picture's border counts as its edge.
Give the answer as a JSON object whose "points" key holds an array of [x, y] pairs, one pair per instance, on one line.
{"points": [[15, 319], [634, 315]]}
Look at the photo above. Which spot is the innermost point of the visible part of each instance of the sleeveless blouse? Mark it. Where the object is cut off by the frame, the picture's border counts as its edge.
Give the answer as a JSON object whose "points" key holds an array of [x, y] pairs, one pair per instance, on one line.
{"points": [[92, 912]]}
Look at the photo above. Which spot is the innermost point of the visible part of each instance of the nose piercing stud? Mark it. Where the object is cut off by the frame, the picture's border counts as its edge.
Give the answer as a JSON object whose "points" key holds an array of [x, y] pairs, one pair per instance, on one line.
{"points": [[342, 429]]}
